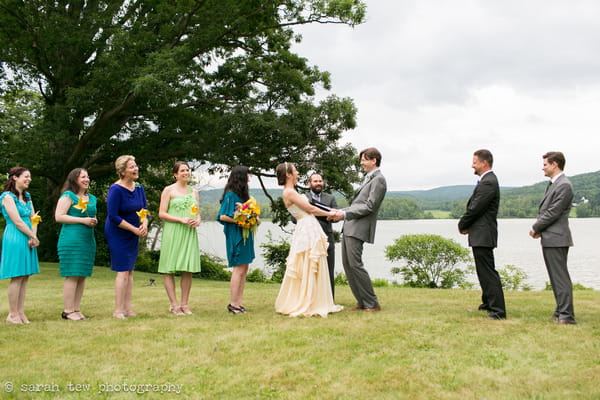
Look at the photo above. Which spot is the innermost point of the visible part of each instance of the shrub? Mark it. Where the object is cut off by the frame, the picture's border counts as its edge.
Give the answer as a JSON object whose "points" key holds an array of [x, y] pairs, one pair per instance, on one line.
{"points": [[257, 275], [213, 268], [513, 278], [340, 279], [147, 261], [380, 283], [431, 261], [275, 254]]}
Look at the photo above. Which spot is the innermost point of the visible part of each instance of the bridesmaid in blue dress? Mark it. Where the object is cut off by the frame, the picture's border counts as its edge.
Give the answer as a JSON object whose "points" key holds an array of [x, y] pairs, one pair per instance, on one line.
{"points": [[239, 253], [125, 224], [76, 211], [19, 242]]}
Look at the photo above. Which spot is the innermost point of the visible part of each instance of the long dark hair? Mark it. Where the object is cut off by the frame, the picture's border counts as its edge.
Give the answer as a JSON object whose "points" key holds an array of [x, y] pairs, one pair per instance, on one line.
{"points": [[10, 186], [237, 183], [71, 181]]}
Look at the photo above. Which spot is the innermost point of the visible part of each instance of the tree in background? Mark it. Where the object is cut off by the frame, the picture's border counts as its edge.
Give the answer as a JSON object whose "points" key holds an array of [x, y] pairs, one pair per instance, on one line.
{"points": [[431, 261], [214, 81]]}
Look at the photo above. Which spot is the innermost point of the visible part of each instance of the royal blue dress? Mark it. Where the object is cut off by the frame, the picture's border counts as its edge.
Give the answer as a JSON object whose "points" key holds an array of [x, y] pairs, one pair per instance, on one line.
{"points": [[238, 252], [76, 242], [18, 259], [122, 204]]}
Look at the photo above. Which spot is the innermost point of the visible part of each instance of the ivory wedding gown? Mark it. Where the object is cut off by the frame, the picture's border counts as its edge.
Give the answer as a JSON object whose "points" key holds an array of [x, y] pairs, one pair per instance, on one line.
{"points": [[305, 290]]}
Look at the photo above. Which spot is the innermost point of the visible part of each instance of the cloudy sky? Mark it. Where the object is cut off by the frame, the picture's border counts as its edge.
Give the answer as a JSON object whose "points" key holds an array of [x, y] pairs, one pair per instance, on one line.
{"points": [[434, 80]]}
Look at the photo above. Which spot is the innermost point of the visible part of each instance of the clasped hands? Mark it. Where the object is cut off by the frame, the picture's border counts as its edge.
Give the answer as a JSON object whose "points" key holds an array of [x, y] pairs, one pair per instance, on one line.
{"points": [[335, 215], [192, 222]]}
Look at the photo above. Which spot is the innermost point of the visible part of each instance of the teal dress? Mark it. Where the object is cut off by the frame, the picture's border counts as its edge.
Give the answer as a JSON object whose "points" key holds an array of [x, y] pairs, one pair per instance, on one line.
{"points": [[18, 259], [238, 252], [76, 242]]}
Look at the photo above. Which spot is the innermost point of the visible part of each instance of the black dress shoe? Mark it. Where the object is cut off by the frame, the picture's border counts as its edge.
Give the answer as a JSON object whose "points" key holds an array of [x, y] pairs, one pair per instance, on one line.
{"points": [[495, 316], [565, 322]]}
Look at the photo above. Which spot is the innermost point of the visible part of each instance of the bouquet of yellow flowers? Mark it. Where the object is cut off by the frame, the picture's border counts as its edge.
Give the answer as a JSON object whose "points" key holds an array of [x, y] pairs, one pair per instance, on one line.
{"points": [[246, 216]]}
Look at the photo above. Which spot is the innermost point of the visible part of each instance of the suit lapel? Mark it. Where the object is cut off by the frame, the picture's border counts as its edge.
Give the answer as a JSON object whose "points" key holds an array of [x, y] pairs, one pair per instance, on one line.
{"points": [[365, 184]]}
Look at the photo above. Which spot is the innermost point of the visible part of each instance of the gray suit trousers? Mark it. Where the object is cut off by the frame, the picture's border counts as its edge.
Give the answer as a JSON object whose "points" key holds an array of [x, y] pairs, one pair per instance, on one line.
{"points": [[358, 277], [556, 264]]}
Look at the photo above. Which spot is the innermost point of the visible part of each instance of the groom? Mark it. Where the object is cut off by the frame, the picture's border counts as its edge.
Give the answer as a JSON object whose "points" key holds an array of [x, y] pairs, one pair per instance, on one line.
{"points": [[359, 227]]}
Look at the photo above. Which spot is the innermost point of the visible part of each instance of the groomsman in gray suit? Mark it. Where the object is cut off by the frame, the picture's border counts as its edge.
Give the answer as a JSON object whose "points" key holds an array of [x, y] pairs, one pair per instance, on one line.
{"points": [[552, 225], [360, 219]]}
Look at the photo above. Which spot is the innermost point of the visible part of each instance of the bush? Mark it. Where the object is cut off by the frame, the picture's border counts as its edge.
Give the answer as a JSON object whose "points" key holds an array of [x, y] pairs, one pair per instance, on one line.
{"points": [[147, 261], [430, 261], [380, 283], [340, 279], [513, 278], [257, 275], [275, 255], [213, 268]]}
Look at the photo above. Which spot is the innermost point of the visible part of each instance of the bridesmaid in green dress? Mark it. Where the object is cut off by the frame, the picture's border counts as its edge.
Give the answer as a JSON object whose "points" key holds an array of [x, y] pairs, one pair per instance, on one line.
{"points": [[179, 250], [76, 211]]}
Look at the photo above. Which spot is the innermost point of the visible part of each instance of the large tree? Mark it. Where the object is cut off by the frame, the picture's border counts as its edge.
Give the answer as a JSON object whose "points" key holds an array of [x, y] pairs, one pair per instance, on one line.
{"points": [[209, 80]]}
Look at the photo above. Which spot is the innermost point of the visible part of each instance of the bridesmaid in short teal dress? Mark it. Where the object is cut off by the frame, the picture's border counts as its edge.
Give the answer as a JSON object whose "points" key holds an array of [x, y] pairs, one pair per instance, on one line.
{"points": [[240, 253], [76, 211], [19, 242]]}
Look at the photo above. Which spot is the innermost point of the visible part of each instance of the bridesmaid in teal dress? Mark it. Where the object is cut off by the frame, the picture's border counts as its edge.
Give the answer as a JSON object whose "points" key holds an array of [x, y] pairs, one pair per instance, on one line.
{"points": [[240, 253], [179, 250], [19, 242], [76, 211]]}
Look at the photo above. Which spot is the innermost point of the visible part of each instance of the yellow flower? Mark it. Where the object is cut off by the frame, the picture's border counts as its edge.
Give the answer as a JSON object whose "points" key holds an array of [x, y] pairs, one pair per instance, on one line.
{"points": [[36, 219], [143, 213], [81, 205], [194, 210]]}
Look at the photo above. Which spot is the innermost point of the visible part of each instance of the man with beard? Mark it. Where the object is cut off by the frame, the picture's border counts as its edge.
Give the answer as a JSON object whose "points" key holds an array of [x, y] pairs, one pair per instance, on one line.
{"points": [[315, 184]]}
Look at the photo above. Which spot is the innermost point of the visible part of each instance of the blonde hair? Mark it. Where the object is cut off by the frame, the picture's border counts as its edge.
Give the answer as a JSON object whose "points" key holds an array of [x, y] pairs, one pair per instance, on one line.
{"points": [[121, 164]]}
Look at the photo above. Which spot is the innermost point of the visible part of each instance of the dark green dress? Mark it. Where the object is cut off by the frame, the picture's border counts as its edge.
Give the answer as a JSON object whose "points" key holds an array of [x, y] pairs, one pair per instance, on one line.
{"points": [[76, 243]]}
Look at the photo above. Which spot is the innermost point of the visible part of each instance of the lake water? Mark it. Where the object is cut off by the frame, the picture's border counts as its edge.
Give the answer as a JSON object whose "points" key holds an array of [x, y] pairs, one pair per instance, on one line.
{"points": [[515, 247]]}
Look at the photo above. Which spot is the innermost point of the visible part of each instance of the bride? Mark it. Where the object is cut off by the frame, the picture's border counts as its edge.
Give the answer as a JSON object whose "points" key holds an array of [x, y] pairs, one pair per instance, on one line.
{"points": [[305, 290]]}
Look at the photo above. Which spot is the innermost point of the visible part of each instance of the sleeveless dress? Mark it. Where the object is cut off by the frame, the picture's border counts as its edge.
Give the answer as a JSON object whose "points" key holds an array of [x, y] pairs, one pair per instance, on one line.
{"points": [[122, 204], [179, 250], [76, 242], [17, 258], [305, 290], [238, 252]]}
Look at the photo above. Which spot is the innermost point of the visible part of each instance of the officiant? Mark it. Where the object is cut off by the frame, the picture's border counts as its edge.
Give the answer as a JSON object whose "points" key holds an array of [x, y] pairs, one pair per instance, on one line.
{"points": [[316, 196]]}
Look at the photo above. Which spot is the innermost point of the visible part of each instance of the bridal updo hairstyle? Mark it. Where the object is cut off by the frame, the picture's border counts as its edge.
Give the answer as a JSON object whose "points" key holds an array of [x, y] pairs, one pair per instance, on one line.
{"points": [[281, 171]]}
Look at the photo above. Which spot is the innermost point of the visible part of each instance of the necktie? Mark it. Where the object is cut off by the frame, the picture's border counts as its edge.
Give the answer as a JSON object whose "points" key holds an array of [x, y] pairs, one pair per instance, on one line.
{"points": [[548, 187]]}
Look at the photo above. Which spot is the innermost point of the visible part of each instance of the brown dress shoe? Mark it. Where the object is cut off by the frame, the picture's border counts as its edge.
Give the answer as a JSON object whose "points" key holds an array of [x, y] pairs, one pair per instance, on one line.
{"points": [[378, 308], [356, 308]]}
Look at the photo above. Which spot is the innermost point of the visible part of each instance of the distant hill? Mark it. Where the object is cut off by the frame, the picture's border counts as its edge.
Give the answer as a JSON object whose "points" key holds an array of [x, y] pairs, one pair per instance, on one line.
{"points": [[516, 202]]}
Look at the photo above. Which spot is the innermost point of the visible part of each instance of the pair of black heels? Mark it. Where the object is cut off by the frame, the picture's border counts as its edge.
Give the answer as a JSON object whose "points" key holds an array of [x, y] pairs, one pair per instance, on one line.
{"points": [[236, 310], [65, 315]]}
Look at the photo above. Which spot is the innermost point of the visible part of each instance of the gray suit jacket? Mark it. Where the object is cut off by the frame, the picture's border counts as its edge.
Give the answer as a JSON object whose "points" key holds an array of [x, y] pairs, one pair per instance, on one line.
{"points": [[361, 216], [553, 215]]}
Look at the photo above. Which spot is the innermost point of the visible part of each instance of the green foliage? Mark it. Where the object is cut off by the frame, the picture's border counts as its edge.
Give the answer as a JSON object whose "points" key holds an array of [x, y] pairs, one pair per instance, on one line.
{"points": [[275, 254], [513, 278], [213, 267], [147, 261], [576, 286], [257, 275], [380, 283], [431, 260], [213, 81], [340, 279]]}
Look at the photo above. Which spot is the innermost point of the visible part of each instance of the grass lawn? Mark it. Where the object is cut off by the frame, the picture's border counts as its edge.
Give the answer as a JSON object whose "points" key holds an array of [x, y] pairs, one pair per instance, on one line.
{"points": [[439, 214], [422, 345]]}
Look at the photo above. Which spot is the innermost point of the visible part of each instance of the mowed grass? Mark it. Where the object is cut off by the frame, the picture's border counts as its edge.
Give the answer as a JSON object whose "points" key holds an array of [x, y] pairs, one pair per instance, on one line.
{"points": [[422, 345]]}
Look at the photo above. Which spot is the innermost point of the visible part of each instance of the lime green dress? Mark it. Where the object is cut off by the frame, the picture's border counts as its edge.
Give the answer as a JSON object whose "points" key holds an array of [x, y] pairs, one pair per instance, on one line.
{"points": [[179, 250]]}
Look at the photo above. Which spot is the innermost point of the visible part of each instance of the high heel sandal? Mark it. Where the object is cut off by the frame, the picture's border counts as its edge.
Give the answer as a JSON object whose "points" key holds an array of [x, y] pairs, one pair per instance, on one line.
{"points": [[65, 315], [185, 309], [175, 310], [234, 310]]}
